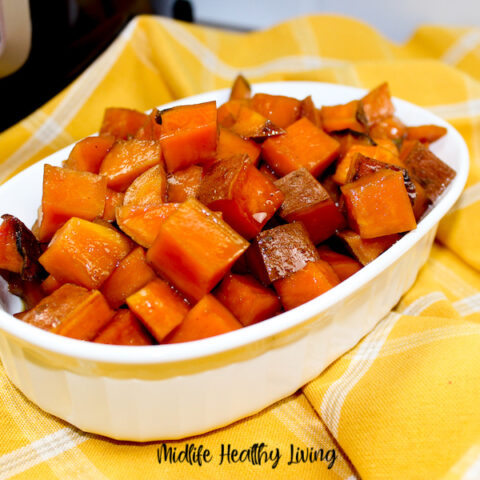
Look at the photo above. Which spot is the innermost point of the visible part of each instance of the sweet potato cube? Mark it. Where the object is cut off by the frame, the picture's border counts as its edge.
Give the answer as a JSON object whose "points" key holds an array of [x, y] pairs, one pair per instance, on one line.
{"points": [[113, 200], [341, 117], [184, 184], [375, 105], [391, 128], [280, 251], [247, 299], [158, 307], [142, 224], [268, 172], [426, 133], [308, 110], [10, 257], [124, 329], [366, 249], [149, 188], [131, 275], [379, 205], [246, 198], [428, 170], [308, 202], [127, 160], [343, 265], [305, 284], [194, 249], [50, 284], [280, 110], [230, 145], [207, 318], [151, 129], [241, 89], [88, 154], [251, 124], [84, 253], [69, 193], [227, 113], [189, 135], [348, 138], [304, 145], [122, 123], [421, 202]]}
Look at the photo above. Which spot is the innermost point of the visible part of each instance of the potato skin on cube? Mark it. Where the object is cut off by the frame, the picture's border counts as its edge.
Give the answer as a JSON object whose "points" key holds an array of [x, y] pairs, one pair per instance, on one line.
{"points": [[194, 249]]}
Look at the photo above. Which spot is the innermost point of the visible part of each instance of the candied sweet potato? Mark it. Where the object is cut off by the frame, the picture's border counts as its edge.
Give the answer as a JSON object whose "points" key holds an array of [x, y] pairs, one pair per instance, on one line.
{"points": [[391, 128], [341, 117], [84, 253], [279, 109], [50, 284], [194, 249], [158, 307], [149, 188], [343, 265], [426, 133], [227, 113], [150, 130], [122, 123], [113, 200], [251, 124], [88, 154], [230, 144], [248, 300], [308, 110], [303, 145], [207, 318], [376, 105], [241, 89], [184, 184]]}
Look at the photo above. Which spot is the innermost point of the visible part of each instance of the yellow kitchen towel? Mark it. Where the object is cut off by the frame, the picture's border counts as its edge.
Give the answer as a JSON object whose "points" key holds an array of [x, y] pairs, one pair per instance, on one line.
{"points": [[405, 402]]}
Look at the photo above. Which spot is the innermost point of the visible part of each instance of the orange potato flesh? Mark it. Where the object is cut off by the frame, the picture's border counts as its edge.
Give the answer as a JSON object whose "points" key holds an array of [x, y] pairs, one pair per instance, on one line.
{"points": [[184, 184], [150, 130], [207, 318], [194, 249], [88, 154], [376, 105], [342, 265], [241, 89], [113, 200], [50, 284], [10, 257], [251, 124], [149, 188], [229, 145], [308, 110], [158, 307], [390, 127], [426, 133], [280, 110], [341, 117], [227, 113], [122, 123], [84, 253]]}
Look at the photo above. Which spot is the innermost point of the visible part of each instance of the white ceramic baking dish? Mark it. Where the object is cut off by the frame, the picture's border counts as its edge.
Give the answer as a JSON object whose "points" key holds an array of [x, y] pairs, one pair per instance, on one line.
{"points": [[174, 391]]}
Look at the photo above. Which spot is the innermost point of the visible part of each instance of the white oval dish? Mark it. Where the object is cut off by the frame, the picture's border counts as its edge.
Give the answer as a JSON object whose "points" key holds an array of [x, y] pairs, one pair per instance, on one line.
{"points": [[174, 391]]}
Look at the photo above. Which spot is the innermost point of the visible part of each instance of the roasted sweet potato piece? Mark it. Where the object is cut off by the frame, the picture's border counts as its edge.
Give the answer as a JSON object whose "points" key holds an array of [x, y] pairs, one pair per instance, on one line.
{"points": [[428, 170], [158, 307], [268, 172], [122, 123], [113, 200], [194, 249], [304, 145], [229, 145], [308, 110], [251, 124], [189, 135], [280, 110], [142, 224], [341, 117], [390, 127], [426, 133], [184, 184], [363, 249], [88, 154], [149, 188], [247, 299], [246, 198], [421, 203], [150, 130], [227, 113], [280, 251], [241, 89], [379, 205], [131, 275], [376, 105], [69, 193], [305, 284], [343, 265], [348, 138], [308, 202], [127, 160], [207, 318], [30, 291], [84, 253], [50, 284], [124, 329]]}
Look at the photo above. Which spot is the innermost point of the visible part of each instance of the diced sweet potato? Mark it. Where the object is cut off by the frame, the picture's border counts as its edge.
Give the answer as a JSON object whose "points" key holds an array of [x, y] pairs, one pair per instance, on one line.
{"points": [[308, 110], [280, 251], [88, 154], [50, 284], [304, 145], [194, 249], [342, 265], [428, 170], [227, 113], [251, 124], [189, 135], [280, 110], [142, 224], [375, 106], [127, 160], [246, 198], [131, 275], [69, 193], [113, 200], [390, 127], [426, 133], [184, 184], [348, 138], [150, 130], [124, 329], [229, 145], [247, 299], [363, 249], [421, 203], [207, 318], [308, 202], [84, 253], [379, 205], [268, 172], [122, 123], [158, 307], [149, 188], [341, 117], [241, 89], [306, 284]]}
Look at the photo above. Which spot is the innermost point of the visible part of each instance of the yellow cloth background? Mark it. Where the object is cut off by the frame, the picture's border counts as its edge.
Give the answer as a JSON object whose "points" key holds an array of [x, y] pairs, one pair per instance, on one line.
{"points": [[410, 410]]}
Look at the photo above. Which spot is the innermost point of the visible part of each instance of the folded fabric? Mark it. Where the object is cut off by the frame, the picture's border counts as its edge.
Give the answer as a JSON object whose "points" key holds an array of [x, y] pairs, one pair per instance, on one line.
{"points": [[404, 403]]}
